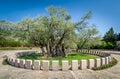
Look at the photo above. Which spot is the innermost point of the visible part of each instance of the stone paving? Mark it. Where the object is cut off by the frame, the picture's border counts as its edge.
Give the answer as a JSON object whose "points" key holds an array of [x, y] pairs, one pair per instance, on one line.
{"points": [[10, 72]]}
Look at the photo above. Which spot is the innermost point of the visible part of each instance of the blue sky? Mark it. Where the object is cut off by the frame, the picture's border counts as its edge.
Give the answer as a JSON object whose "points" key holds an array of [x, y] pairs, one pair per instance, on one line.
{"points": [[106, 13]]}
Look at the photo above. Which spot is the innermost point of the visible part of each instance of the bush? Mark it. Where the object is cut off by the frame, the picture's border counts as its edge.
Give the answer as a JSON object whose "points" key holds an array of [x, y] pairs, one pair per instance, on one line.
{"points": [[7, 43], [10, 43], [110, 64], [104, 45], [15, 48], [117, 45]]}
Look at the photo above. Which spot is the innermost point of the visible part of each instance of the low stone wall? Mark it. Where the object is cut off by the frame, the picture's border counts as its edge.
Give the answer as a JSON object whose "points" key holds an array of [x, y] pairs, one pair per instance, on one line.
{"points": [[36, 65]]}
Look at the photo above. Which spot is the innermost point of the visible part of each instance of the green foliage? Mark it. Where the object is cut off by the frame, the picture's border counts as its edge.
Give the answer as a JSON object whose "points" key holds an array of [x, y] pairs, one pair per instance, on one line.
{"points": [[5, 43], [109, 36], [108, 42], [10, 43], [15, 48], [110, 64], [86, 34], [103, 45], [117, 45], [6, 30]]}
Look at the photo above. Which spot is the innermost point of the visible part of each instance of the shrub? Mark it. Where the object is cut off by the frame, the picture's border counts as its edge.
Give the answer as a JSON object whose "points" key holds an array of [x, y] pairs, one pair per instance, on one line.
{"points": [[10, 43], [110, 64], [7, 43], [117, 45]]}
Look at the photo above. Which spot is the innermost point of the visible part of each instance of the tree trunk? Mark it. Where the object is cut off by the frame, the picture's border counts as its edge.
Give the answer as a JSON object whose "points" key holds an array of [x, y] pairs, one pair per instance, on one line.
{"points": [[58, 51], [43, 50], [48, 49]]}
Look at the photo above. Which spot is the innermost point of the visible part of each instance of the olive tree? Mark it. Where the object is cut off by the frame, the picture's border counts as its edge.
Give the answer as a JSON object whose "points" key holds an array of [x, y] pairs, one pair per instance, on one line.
{"points": [[54, 32]]}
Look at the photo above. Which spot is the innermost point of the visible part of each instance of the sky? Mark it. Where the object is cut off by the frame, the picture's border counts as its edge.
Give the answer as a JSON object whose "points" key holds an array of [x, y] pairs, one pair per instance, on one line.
{"points": [[105, 13]]}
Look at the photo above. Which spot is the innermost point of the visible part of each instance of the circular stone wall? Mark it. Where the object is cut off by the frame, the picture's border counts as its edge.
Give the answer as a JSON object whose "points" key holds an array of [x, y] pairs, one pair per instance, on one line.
{"points": [[35, 65]]}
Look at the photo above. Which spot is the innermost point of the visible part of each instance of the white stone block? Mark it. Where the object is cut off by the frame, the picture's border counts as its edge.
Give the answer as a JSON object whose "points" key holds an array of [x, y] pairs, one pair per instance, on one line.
{"points": [[110, 58], [93, 52], [22, 63], [106, 60], [36, 65], [83, 64], [74, 64], [55, 65], [9, 60], [98, 53], [45, 65], [65, 65], [91, 63], [97, 62], [17, 61], [13, 62], [28, 64], [102, 61]]}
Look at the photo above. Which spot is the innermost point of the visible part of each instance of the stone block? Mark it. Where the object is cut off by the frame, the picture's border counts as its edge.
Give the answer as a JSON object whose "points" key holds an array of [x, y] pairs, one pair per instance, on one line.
{"points": [[102, 54], [28, 64], [45, 65], [91, 63], [93, 52], [65, 65], [17, 61], [99, 53], [83, 64], [102, 61], [97, 62], [13, 61], [22, 63], [106, 60], [8, 60], [55, 65], [110, 58], [36, 65], [74, 64]]}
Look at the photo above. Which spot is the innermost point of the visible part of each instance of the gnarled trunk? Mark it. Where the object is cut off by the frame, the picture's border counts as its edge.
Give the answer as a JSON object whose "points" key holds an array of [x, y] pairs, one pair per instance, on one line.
{"points": [[58, 51]]}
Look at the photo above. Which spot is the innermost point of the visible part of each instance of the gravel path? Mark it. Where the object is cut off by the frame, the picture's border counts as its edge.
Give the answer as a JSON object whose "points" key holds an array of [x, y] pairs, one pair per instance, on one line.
{"points": [[9, 72]]}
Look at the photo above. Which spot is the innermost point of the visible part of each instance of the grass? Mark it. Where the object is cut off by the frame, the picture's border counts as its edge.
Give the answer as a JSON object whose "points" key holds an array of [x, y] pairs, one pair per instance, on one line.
{"points": [[4, 62], [70, 57], [110, 64]]}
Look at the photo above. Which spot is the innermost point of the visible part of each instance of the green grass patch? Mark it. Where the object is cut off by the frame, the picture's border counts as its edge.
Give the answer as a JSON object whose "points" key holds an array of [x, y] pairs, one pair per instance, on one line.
{"points": [[110, 64], [4, 62], [69, 57]]}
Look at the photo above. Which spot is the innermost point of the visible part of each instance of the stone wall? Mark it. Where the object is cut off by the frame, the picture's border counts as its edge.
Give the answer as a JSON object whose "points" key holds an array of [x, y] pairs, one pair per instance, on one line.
{"points": [[36, 65]]}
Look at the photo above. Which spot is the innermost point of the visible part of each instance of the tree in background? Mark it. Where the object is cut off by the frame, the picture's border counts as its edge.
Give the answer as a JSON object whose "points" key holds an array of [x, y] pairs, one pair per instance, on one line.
{"points": [[117, 37], [109, 38], [85, 31]]}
